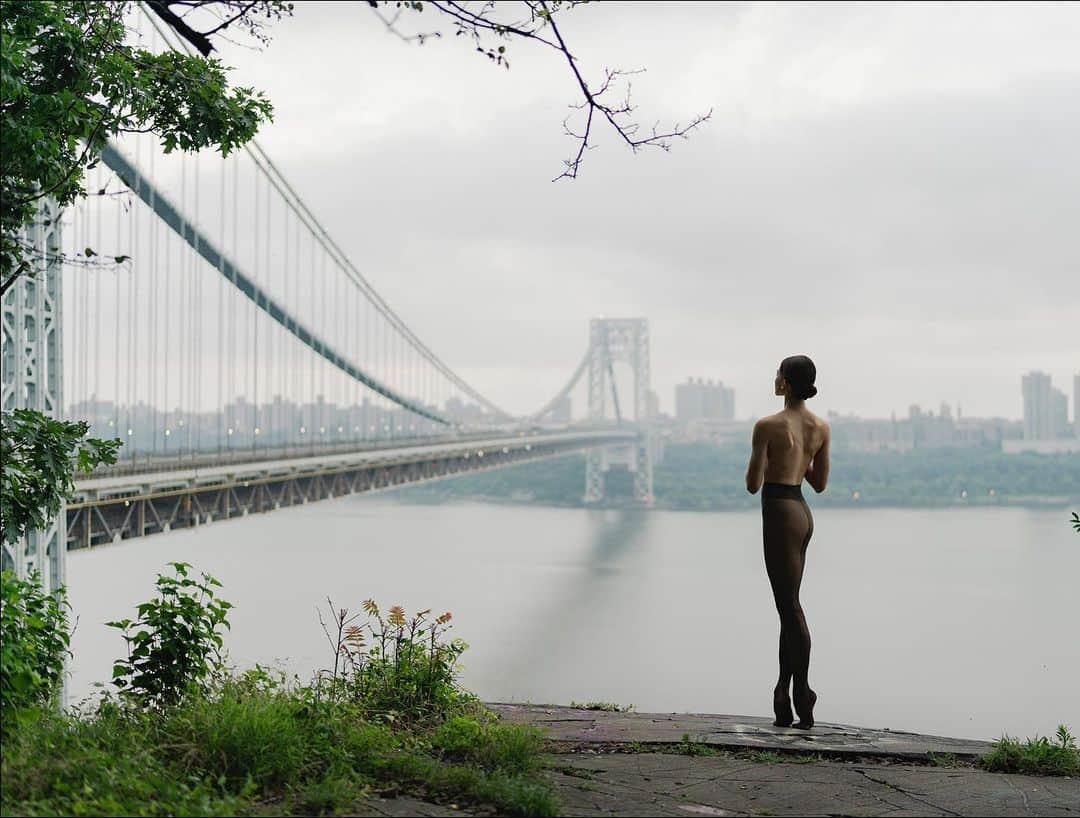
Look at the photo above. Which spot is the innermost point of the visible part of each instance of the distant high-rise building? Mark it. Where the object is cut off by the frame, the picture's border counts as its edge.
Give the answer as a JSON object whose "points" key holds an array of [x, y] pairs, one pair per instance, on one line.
{"points": [[698, 399], [1076, 404], [1059, 414], [1038, 406], [653, 405]]}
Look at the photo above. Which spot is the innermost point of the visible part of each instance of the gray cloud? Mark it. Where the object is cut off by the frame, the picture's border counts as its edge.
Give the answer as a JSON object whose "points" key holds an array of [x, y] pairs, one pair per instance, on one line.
{"points": [[918, 238]]}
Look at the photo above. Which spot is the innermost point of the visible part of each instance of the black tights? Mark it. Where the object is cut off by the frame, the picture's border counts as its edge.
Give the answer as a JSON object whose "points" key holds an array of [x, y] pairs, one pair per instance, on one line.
{"points": [[787, 527]]}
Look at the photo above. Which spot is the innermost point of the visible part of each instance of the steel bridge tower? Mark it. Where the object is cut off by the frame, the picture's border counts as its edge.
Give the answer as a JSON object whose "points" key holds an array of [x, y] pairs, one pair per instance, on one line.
{"points": [[31, 374], [624, 340]]}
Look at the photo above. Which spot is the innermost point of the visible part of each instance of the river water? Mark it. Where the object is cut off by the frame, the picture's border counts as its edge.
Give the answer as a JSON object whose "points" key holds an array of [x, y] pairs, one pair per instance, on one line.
{"points": [[954, 622]]}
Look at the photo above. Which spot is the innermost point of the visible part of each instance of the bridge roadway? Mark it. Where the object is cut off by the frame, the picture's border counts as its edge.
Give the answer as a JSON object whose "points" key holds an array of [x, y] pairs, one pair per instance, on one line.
{"points": [[157, 496]]}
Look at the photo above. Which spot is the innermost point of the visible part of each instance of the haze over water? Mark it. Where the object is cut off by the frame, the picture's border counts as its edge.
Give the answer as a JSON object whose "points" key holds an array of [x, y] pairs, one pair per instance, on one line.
{"points": [[955, 622]]}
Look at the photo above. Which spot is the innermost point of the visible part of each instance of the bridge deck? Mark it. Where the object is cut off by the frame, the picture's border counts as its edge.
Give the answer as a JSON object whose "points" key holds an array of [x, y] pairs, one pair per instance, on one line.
{"points": [[110, 507]]}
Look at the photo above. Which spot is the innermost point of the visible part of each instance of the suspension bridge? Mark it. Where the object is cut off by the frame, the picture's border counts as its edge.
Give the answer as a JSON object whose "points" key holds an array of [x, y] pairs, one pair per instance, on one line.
{"points": [[194, 307]]}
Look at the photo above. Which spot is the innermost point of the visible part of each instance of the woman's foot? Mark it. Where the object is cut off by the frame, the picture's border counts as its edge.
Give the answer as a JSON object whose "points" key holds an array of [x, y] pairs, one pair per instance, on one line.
{"points": [[804, 706], [781, 705]]}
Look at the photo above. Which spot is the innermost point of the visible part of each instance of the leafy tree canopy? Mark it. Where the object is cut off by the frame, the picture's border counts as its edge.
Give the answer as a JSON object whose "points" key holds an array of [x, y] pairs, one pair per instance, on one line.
{"points": [[70, 78]]}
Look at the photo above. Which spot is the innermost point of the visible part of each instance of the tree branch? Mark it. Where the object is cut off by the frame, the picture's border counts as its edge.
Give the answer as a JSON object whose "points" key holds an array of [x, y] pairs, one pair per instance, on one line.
{"points": [[196, 38]]}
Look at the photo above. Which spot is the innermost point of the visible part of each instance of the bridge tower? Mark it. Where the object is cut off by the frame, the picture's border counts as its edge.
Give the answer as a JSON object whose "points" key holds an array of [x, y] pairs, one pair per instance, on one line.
{"points": [[31, 375], [619, 340]]}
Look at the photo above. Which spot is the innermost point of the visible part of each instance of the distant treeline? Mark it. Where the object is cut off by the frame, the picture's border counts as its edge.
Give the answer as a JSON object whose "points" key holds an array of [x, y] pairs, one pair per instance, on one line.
{"points": [[709, 477]]}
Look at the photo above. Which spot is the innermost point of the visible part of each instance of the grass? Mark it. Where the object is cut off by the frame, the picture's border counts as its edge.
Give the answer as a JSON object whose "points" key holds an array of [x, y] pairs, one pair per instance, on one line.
{"points": [[1035, 756], [943, 759], [687, 747], [249, 751], [765, 757]]}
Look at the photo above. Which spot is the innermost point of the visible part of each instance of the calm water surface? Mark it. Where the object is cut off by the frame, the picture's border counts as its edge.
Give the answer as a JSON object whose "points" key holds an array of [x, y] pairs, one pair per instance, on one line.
{"points": [[956, 622]]}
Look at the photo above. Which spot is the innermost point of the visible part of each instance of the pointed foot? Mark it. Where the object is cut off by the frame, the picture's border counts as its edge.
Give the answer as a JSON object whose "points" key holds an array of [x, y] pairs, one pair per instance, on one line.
{"points": [[804, 706]]}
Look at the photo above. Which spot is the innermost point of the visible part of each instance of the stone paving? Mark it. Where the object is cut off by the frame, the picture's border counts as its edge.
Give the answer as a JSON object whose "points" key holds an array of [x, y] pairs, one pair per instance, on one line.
{"points": [[638, 764], [629, 764], [732, 732], [602, 784]]}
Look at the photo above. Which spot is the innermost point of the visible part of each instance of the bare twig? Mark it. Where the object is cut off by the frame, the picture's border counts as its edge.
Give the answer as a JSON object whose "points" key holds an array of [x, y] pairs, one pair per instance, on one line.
{"points": [[476, 20]]}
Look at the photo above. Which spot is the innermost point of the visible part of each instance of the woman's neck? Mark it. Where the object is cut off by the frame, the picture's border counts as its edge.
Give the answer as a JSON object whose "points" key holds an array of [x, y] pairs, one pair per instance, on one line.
{"points": [[793, 403]]}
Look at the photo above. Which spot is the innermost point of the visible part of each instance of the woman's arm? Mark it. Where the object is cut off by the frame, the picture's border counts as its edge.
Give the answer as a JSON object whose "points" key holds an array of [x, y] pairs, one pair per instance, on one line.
{"points": [[817, 473], [755, 471]]}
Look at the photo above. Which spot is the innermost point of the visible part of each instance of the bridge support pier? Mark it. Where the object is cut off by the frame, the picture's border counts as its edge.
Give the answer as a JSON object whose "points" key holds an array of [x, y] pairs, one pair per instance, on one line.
{"points": [[625, 340], [31, 373]]}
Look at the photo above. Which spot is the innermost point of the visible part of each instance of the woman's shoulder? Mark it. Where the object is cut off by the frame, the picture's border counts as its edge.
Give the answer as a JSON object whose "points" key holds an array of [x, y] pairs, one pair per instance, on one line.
{"points": [[820, 424]]}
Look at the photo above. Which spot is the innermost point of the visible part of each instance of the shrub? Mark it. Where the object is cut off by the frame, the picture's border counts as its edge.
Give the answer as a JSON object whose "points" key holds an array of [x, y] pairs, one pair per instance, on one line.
{"points": [[175, 644], [34, 640], [397, 668]]}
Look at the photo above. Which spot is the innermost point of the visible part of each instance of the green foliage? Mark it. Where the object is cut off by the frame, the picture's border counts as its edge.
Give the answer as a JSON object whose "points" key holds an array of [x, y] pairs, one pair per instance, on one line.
{"points": [[214, 743], [110, 763], [489, 745], [396, 668], [34, 640], [174, 646], [39, 457], [69, 81], [1035, 756], [1075, 522]]}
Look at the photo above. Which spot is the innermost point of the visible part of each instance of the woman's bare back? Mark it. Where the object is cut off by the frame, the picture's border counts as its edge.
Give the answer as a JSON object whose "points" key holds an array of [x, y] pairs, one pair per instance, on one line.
{"points": [[788, 446], [794, 438]]}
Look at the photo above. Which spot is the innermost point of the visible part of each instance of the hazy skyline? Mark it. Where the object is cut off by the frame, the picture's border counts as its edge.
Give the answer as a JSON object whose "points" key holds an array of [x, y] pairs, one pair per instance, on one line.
{"points": [[892, 190]]}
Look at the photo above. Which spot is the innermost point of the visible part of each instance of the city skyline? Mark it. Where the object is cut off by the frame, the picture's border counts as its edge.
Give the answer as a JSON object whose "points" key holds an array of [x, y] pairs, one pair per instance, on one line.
{"points": [[565, 410]]}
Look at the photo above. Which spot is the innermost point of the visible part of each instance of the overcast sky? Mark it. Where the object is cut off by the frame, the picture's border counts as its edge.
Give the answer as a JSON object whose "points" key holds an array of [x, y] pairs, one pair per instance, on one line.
{"points": [[892, 190]]}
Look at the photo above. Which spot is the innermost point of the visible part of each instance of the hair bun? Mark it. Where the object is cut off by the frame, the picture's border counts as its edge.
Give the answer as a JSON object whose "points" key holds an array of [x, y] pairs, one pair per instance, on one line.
{"points": [[811, 391]]}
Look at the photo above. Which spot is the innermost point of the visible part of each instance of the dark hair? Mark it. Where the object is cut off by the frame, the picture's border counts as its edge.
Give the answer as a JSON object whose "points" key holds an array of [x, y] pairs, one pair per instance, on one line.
{"points": [[800, 372]]}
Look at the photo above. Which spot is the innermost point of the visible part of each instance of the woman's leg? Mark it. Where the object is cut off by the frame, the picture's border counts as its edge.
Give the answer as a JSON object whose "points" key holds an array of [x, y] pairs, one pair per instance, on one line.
{"points": [[787, 530]]}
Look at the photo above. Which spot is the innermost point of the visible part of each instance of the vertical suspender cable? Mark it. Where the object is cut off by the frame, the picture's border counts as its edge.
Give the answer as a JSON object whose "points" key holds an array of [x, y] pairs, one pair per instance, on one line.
{"points": [[133, 346], [254, 360], [98, 339], [117, 301]]}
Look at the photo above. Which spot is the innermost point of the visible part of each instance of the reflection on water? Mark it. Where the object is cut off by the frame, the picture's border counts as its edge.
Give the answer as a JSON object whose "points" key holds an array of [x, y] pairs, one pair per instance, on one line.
{"points": [[954, 622], [612, 536]]}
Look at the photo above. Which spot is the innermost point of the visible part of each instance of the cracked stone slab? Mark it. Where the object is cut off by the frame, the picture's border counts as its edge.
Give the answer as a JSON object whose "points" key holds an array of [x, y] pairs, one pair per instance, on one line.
{"points": [[600, 784], [740, 732]]}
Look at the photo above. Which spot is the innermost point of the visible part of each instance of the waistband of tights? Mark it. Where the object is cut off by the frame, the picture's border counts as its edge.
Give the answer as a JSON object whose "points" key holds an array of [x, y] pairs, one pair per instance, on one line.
{"points": [[781, 491]]}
